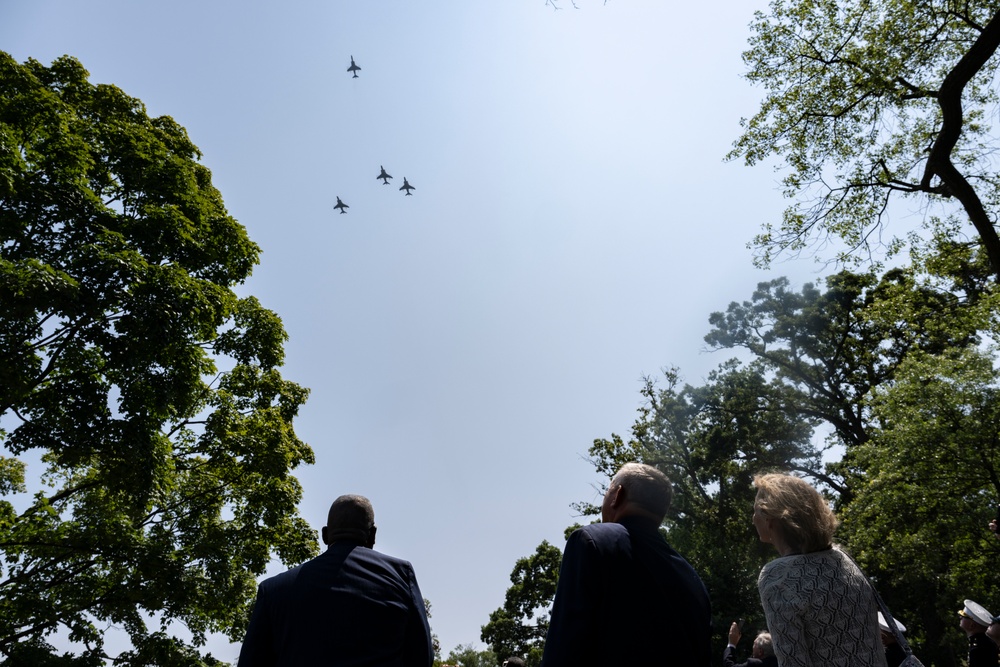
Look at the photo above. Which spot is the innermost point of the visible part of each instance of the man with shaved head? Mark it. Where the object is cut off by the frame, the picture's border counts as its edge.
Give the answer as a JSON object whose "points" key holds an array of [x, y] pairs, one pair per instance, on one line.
{"points": [[348, 606], [624, 596]]}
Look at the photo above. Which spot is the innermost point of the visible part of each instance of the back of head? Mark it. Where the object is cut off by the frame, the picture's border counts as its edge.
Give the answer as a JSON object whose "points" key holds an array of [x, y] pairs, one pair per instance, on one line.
{"points": [[805, 518], [762, 646], [646, 487], [351, 518], [513, 662]]}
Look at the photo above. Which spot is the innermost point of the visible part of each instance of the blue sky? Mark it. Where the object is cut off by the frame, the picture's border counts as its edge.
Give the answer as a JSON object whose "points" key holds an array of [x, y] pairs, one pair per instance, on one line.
{"points": [[573, 225]]}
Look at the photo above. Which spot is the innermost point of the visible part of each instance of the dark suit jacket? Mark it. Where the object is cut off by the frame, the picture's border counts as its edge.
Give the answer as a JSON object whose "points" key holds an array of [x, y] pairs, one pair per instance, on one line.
{"points": [[729, 660], [625, 597], [349, 606], [982, 651], [894, 654]]}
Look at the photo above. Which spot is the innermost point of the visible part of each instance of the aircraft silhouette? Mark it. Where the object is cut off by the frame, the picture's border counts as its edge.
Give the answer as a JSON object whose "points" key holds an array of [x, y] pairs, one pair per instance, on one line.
{"points": [[342, 206], [354, 68], [407, 187], [384, 176]]}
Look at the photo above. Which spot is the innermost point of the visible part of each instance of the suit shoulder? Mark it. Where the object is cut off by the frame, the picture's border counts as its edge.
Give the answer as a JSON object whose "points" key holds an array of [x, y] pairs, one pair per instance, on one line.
{"points": [[601, 529], [600, 535], [394, 559], [376, 561], [282, 579], [384, 558]]}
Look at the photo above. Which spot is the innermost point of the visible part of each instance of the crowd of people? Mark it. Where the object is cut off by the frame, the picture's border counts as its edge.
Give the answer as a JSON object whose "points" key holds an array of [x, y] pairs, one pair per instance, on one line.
{"points": [[624, 596]]}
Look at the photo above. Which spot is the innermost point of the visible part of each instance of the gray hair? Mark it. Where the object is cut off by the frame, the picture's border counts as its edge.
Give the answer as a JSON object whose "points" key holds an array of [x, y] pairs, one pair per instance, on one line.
{"points": [[763, 644], [646, 486]]}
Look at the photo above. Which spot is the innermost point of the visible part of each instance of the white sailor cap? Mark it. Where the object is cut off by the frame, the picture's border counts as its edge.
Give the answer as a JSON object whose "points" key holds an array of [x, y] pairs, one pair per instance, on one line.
{"points": [[884, 627], [976, 612]]}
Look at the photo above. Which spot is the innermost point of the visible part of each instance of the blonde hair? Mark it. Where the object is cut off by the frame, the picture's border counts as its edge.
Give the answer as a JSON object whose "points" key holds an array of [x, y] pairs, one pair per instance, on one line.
{"points": [[804, 518]]}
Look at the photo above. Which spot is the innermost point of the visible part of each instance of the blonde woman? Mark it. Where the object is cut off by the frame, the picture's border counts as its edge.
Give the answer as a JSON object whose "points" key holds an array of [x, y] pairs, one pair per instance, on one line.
{"points": [[819, 606]]}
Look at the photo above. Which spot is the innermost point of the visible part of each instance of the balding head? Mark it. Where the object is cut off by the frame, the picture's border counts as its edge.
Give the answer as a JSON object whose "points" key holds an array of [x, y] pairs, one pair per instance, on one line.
{"points": [[351, 519], [637, 489]]}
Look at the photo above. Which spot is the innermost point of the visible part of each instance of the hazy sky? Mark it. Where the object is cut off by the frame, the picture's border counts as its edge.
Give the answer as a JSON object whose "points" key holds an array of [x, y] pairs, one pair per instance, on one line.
{"points": [[572, 227]]}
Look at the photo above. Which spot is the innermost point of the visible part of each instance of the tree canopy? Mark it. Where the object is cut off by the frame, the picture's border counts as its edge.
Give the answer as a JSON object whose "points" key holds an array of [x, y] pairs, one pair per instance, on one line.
{"points": [[520, 626], [867, 101], [893, 375], [146, 386], [464, 655], [932, 473]]}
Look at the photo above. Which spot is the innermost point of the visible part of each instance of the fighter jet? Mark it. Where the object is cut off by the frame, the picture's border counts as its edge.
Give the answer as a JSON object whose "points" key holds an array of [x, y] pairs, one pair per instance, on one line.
{"points": [[384, 176], [342, 206], [354, 68], [407, 187]]}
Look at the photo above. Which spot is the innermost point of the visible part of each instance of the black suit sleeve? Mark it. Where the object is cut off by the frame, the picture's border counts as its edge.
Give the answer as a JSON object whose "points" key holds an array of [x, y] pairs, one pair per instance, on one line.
{"points": [[573, 622], [258, 646], [417, 648], [729, 659]]}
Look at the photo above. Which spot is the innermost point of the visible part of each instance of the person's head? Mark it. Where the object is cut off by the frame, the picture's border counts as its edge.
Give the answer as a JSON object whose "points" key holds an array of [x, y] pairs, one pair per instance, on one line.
{"points": [[886, 633], [975, 618], [513, 662], [789, 510], [351, 518], [993, 629], [637, 490], [762, 646]]}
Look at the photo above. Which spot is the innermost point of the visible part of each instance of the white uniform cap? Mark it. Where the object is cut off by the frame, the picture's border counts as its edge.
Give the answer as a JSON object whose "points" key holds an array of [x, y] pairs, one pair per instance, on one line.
{"points": [[884, 627], [976, 612]]}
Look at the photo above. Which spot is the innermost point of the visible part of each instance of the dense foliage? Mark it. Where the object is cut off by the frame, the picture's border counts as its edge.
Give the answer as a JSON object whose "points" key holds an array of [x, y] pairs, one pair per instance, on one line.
{"points": [[147, 442], [466, 656], [519, 627], [868, 102], [882, 391], [932, 483]]}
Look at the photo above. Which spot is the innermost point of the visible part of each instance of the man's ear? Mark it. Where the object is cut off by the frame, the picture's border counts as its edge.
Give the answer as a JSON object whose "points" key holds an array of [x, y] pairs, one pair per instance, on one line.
{"points": [[618, 496], [322, 534], [371, 537]]}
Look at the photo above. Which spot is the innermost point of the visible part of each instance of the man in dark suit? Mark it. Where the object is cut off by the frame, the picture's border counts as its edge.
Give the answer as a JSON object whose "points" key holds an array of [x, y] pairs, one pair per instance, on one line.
{"points": [[762, 654], [348, 606], [624, 596]]}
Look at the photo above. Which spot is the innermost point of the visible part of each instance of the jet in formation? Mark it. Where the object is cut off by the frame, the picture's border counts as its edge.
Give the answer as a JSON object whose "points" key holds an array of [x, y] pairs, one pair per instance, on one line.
{"points": [[342, 206], [353, 68], [384, 176], [407, 187]]}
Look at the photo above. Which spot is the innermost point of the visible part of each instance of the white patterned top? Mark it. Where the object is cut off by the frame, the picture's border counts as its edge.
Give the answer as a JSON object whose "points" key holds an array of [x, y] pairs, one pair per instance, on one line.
{"points": [[821, 611]]}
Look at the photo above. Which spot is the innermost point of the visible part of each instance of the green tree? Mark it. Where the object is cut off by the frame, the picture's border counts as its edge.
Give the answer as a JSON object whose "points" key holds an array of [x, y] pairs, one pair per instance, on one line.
{"points": [[868, 359], [466, 656], [519, 627], [852, 361], [933, 483], [828, 350], [870, 100], [818, 357], [710, 441], [147, 387]]}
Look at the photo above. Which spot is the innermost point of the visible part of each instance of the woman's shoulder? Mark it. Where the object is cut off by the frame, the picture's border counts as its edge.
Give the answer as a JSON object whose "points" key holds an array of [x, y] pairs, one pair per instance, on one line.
{"points": [[779, 569], [796, 564]]}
